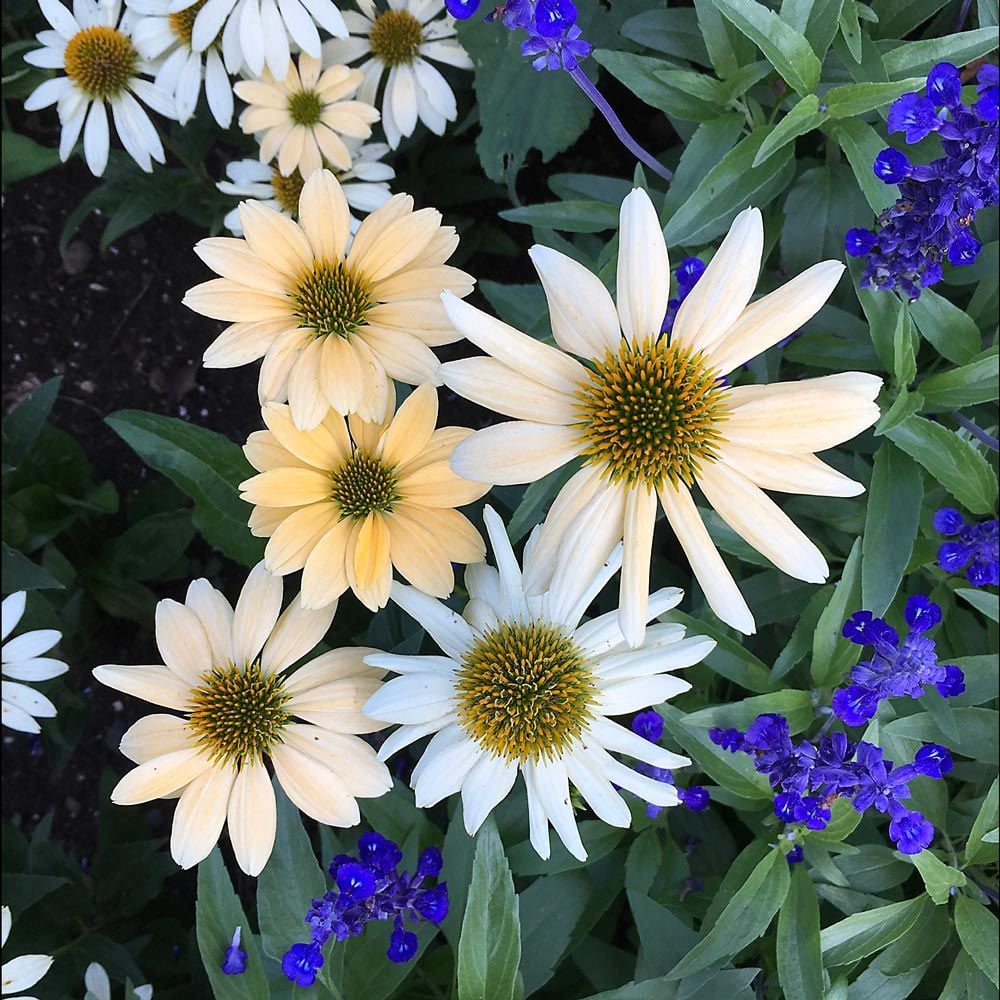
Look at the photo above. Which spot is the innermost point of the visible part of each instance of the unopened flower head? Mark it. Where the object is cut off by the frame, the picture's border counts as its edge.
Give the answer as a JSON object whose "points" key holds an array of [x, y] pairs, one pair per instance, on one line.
{"points": [[524, 688], [402, 41], [897, 669], [652, 415], [226, 671], [22, 659], [972, 546], [103, 70], [333, 318], [368, 886], [931, 221], [349, 500]]}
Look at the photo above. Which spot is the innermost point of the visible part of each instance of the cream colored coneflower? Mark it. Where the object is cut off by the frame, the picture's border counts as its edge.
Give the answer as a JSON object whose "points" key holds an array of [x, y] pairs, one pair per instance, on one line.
{"points": [[524, 687], [399, 40], [333, 325], [349, 500], [226, 671], [652, 416], [301, 119]]}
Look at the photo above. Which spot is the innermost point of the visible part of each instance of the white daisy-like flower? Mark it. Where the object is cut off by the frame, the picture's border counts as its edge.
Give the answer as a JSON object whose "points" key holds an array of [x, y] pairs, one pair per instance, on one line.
{"points": [[524, 688], [364, 185], [334, 317], [103, 66], [652, 416], [227, 671], [259, 33], [98, 985], [401, 39], [301, 120], [159, 33], [23, 972], [21, 660]]}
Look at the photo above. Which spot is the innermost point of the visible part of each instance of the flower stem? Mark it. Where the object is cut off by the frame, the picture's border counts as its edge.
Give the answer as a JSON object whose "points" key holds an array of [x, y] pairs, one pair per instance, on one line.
{"points": [[597, 99], [987, 439]]}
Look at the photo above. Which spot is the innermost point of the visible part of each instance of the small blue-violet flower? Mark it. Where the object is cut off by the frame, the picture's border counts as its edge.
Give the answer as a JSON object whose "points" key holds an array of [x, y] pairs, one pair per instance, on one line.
{"points": [[235, 963]]}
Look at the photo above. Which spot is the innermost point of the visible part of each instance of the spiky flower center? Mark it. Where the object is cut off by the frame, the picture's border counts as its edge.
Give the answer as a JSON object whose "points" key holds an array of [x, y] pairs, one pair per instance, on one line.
{"points": [[652, 413], [287, 190], [331, 299], [182, 22], [525, 691], [100, 61], [238, 713], [396, 37], [363, 485], [305, 107]]}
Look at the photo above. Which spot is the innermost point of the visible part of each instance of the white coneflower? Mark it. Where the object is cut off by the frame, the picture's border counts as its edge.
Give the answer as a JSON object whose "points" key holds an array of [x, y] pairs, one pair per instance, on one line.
{"points": [[333, 317], [102, 66], [364, 185], [652, 416], [400, 40], [524, 688], [21, 659], [302, 119], [159, 33], [255, 33], [227, 671]]}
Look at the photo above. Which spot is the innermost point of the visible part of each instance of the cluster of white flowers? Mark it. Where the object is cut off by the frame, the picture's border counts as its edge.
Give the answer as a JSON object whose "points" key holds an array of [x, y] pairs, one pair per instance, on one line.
{"points": [[305, 107]]}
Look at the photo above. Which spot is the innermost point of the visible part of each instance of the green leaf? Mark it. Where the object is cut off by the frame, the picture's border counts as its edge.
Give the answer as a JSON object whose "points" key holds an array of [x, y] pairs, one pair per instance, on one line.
{"points": [[844, 820], [711, 141], [939, 878], [953, 333], [831, 652], [576, 216], [20, 573], [673, 32], [862, 934], [955, 463], [23, 424], [745, 918], [727, 188], [152, 545], [967, 385], [975, 737], [861, 144], [988, 604], [800, 964], [904, 352], [664, 939], [859, 98], [518, 110], [796, 706], [551, 905], [986, 820], [206, 466], [919, 58], [23, 157], [850, 29], [217, 915], [978, 931], [489, 951], [287, 886], [891, 524], [788, 51], [804, 117]]}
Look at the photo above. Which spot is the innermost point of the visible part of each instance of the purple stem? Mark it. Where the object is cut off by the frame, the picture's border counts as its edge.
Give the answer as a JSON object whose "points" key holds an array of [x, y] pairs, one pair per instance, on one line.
{"points": [[597, 99], [987, 439]]}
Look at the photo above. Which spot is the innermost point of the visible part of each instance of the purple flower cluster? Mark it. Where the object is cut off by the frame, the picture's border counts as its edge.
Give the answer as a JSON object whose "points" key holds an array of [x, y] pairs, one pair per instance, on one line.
{"points": [[811, 776], [975, 547], [687, 274], [369, 887], [932, 219], [649, 725], [897, 669], [554, 41]]}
